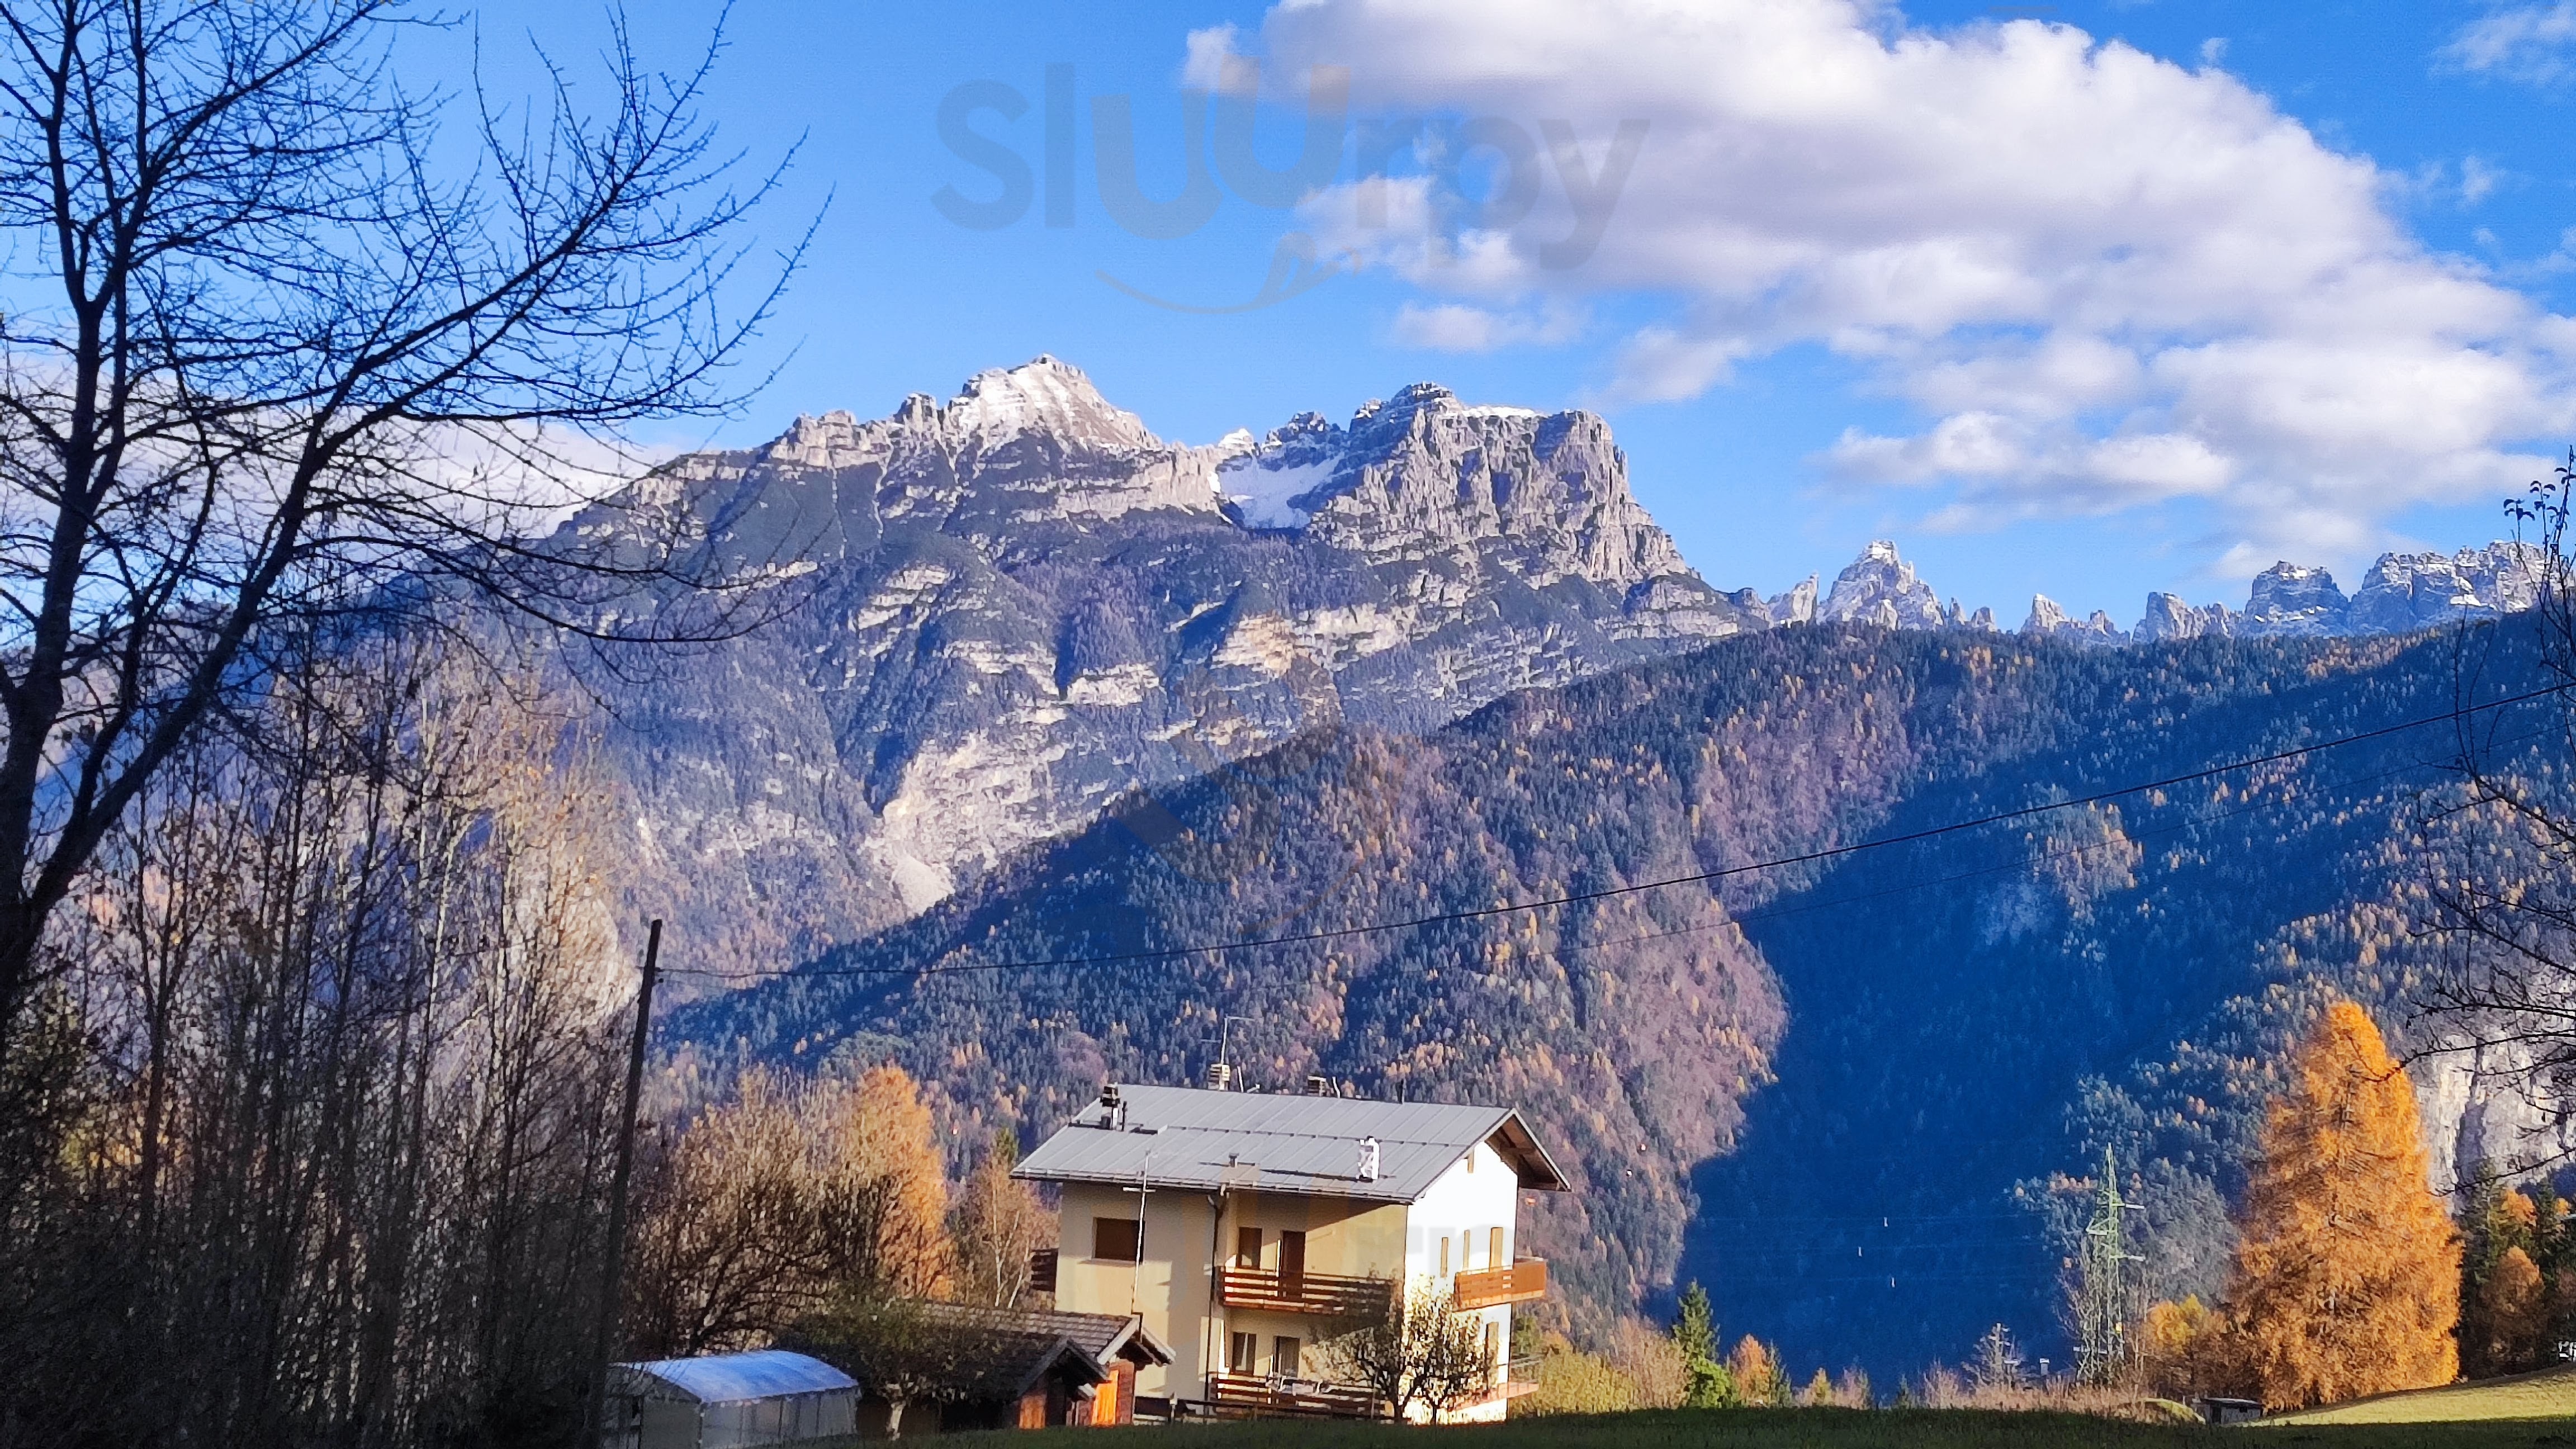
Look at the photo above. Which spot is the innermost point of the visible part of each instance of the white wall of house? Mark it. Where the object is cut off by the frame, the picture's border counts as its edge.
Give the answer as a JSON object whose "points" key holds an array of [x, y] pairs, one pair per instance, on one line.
{"points": [[1450, 1230]]}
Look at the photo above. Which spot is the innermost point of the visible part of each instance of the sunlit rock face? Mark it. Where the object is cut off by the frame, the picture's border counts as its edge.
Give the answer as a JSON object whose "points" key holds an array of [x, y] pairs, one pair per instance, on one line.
{"points": [[2405, 591], [1010, 608]]}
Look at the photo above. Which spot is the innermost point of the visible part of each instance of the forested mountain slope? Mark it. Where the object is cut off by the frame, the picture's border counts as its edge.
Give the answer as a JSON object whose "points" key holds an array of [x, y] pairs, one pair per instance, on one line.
{"points": [[1823, 1090]]}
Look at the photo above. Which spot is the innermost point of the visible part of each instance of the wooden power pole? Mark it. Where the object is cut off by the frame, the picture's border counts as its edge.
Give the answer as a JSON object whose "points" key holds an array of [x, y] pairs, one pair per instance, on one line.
{"points": [[594, 1419]]}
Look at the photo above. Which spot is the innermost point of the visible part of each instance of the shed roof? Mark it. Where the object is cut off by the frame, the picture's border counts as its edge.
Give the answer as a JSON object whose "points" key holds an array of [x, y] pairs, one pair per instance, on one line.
{"points": [[966, 1354], [725, 1378], [1104, 1336], [1188, 1137]]}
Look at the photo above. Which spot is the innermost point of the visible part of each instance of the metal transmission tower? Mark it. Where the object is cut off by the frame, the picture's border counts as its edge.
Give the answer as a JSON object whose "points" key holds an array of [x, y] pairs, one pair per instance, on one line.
{"points": [[2102, 1304]]}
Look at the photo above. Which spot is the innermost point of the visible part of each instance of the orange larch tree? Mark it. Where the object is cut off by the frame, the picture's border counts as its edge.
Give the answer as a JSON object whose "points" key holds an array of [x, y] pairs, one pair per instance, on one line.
{"points": [[895, 1189], [2348, 1271]]}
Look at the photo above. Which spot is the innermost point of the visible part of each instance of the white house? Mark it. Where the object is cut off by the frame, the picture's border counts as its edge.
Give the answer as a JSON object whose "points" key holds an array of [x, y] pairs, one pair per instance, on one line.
{"points": [[1244, 1225]]}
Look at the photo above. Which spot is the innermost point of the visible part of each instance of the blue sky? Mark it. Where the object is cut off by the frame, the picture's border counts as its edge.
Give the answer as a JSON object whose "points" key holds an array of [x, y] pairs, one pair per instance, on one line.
{"points": [[2088, 299]]}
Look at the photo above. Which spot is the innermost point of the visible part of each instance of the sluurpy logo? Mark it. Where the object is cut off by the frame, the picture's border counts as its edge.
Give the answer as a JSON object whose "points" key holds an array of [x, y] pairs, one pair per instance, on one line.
{"points": [[1458, 175]]}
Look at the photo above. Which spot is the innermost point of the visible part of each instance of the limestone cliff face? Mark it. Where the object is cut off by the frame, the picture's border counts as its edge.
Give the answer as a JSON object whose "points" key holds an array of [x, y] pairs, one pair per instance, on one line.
{"points": [[1012, 608]]}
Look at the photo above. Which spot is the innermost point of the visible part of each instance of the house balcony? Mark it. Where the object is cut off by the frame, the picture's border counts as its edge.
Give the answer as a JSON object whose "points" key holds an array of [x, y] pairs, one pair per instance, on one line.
{"points": [[1327, 1294], [1256, 1396], [1521, 1282]]}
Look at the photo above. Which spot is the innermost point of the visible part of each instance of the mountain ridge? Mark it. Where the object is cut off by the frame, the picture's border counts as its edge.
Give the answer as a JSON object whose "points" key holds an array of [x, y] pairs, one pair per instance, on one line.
{"points": [[1015, 606]]}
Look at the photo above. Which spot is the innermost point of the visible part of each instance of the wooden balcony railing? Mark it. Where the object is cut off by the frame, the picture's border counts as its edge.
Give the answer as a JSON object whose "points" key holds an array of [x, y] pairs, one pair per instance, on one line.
{"points": [[1328, 1294], [1519, 1283], [1253, 1396]]}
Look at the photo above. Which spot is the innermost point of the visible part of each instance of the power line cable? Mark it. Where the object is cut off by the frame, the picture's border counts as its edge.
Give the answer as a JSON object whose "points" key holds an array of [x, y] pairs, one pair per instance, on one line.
{"points": [[1811, 857]]}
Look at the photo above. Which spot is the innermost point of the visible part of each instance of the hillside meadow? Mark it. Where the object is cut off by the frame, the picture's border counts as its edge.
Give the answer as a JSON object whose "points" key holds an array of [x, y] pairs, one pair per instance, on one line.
{"points": [[1858, 1429]]}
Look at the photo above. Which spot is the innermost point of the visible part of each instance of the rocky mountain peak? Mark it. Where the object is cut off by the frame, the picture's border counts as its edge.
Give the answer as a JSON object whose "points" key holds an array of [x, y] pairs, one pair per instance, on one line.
{"points": [[2406, 591], [2294, 600], [1043, 396], [2401, 593], [1881, 588], [1025, 604], [2168, 617], [2049, 619]]}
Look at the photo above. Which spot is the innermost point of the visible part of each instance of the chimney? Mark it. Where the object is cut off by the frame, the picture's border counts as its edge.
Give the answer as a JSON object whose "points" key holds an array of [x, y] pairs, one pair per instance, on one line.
{"points": [[1113, 1110], [1220, 1076], [1368, 1159], [1319, 1086]]}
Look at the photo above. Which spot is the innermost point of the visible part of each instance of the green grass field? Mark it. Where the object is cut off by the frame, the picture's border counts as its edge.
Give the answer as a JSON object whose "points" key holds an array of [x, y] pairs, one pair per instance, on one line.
{"points": [[2551, 1393], [1853, 1429]]}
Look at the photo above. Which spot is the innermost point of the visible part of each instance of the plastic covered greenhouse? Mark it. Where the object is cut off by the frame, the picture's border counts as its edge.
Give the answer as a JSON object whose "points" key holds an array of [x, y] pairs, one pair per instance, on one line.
{"points": [[728, 1401]]}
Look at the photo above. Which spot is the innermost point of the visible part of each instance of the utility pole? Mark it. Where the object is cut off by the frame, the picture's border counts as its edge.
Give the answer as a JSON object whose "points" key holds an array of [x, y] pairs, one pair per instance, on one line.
{"points": [[1143, 1189], [2102, 1310], [594, 1419]]}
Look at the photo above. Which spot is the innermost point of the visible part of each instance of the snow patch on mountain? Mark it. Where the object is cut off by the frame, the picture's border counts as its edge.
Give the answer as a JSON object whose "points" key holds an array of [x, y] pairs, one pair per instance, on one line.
{"points": [[1265, 495]]}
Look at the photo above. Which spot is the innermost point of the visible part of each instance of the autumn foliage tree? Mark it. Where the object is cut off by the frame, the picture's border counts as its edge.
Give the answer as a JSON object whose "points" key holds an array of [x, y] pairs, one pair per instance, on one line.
{"points": [[786, 1198], [1759, 1375], [2184, 1350], [995, 1225], [2509, 1287], [2347, 1272]]}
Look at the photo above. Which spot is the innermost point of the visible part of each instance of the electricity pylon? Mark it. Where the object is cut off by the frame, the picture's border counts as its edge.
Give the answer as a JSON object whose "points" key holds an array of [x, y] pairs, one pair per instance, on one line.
{"points": [[2102, 1308]]}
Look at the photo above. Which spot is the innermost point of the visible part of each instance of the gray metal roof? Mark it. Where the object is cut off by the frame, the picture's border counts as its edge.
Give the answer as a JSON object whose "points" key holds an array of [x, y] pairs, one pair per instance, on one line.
{"points": [[1190, 1138], [725, 1378]]}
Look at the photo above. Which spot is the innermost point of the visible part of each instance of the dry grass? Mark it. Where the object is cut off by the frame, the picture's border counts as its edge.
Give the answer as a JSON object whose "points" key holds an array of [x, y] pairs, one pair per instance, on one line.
{"points": [[2548, 1394]]}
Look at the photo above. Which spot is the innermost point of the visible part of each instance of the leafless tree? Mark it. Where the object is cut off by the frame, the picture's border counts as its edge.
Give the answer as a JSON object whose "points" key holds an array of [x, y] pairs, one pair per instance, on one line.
{"points": [[341, 1037], [997, 1223], [2501, 848], [1423, 1353], [275, 355], [786, 1198]]}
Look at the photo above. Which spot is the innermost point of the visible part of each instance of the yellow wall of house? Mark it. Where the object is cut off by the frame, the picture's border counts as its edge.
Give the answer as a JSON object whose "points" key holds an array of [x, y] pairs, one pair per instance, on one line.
{"points": [[1185, 1233]]}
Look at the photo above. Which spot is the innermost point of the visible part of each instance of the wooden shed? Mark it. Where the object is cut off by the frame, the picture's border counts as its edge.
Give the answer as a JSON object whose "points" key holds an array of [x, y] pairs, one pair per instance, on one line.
{"points": [[953, 1367]]}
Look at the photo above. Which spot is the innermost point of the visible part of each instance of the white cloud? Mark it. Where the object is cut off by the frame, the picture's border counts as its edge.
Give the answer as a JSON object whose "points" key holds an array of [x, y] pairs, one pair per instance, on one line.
{"points": [[1455, 327], [2529, 43], [1203, 63], [2107, 280], [2478, 180]]}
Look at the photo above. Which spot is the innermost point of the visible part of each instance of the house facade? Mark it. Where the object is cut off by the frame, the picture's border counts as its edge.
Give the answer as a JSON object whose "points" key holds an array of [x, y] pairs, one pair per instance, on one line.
{"points": [[1247, 1229]]}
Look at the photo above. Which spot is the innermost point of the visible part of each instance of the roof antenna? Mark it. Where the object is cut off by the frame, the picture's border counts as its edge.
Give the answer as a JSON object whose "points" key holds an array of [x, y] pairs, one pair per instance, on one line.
{"points": [[1220, 1073]]}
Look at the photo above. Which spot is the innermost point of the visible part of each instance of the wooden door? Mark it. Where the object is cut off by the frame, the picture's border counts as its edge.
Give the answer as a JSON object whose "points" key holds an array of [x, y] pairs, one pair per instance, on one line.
{"points": [[1292, 1265], [1247, 1247]]}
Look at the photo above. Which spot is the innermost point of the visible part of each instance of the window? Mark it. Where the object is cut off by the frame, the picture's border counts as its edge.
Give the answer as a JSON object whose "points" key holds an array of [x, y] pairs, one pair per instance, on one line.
{"points": [[1241, 1351], [1444, 1255], [1247, 1247], [1283, 1357], [1116, 1240], [1493, 1340], [1496, 1259]]}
